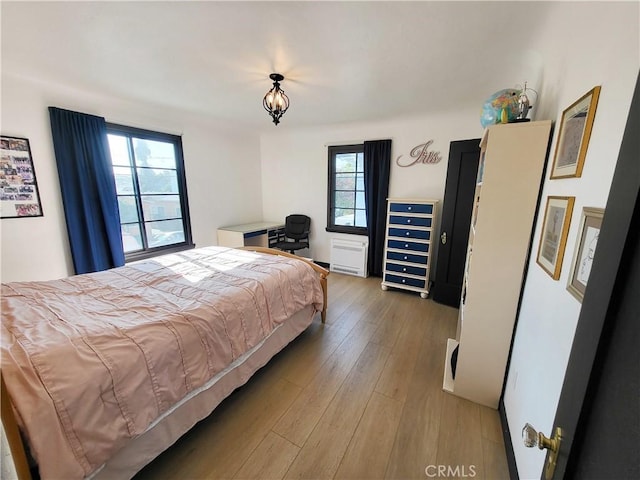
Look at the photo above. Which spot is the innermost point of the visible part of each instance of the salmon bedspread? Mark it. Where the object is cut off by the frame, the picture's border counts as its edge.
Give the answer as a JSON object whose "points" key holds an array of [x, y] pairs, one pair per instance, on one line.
{"points": [[93, 360]]}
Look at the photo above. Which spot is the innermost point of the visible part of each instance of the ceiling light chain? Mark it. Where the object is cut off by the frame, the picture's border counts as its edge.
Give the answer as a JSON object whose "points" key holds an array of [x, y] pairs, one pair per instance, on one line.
{"points": [[275, 101]]}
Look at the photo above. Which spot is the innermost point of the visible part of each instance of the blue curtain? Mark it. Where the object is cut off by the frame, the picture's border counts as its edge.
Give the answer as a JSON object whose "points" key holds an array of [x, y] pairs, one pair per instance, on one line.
{"points": [[88, 190], [377, 167]]}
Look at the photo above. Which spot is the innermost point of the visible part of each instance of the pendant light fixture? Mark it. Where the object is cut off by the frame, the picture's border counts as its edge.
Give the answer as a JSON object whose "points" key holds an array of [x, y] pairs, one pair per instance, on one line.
{"points": [[275, 101]]}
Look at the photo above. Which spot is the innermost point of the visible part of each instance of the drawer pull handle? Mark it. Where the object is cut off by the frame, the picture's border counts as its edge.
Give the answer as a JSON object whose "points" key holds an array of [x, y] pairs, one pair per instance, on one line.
{"points": [[406, 245], [403, 280], [405, 257], [408, 208], [404, 269], [409, 221], [407, 234]]}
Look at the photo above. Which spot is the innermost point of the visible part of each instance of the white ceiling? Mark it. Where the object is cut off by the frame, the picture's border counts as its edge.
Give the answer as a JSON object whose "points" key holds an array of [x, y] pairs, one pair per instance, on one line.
{"points": [[343, 61]]}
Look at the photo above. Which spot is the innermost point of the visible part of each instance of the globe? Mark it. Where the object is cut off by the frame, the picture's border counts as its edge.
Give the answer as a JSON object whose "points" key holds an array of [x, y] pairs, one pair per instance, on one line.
{"points": [[506, 100]]}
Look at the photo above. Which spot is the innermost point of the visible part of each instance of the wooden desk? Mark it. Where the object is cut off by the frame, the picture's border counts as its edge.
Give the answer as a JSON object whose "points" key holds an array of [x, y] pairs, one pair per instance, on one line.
{"points": [[258, 234]]}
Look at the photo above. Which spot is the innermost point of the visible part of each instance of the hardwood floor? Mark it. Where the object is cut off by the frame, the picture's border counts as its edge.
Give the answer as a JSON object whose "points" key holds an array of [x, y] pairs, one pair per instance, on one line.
{"points": [[358, 398]]}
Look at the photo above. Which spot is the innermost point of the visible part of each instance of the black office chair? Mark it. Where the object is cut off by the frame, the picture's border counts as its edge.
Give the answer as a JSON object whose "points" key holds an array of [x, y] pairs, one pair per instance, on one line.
{"points": [[296, 232]]}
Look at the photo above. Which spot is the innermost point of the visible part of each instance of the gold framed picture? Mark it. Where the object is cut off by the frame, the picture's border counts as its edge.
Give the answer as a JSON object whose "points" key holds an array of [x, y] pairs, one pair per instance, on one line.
{"points": [[590, 224], [553, 238], [573, 139]]}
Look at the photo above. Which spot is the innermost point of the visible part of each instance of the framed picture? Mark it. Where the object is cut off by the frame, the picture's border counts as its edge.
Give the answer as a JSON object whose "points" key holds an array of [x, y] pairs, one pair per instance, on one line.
{"points": [[553, 239], [19, 195], [573, 139], [590, 224]]}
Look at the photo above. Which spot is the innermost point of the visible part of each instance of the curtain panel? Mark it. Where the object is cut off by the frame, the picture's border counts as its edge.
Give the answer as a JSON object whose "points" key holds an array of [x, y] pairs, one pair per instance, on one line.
{"points": [[377, 167], [88, 190]]}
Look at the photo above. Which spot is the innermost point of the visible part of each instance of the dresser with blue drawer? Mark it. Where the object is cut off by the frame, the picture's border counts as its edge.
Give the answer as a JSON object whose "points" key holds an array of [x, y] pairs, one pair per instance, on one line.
{"points": [[407, 256]]}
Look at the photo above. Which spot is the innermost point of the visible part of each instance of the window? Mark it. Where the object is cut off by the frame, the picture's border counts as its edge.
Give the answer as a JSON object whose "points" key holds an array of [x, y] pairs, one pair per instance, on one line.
{"points": [[346, 207], [152, 193]]}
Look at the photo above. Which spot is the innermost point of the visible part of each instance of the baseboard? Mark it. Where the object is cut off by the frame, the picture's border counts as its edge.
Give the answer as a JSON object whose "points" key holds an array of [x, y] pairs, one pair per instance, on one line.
{"points": [[508, 446], [323, 264]]}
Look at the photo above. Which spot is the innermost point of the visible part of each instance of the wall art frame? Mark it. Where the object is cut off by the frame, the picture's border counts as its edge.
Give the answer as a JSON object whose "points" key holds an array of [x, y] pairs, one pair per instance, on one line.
{"points": [[573, 138], [553, 237], [590, 224], [19, 195]]}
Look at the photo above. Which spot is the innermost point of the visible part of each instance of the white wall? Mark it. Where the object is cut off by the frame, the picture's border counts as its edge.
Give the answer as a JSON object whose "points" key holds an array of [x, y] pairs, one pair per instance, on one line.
{"points": [[295, 164], [601, 47], [222, 168], [583, 45]]}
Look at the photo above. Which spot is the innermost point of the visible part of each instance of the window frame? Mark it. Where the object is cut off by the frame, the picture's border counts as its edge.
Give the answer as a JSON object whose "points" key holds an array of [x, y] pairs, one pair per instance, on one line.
{"points": [[176, 140], [331, 190]]}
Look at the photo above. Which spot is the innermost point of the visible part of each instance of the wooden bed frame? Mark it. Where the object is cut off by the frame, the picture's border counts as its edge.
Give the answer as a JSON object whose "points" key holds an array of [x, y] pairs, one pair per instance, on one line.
{"points": [[9, 422]]}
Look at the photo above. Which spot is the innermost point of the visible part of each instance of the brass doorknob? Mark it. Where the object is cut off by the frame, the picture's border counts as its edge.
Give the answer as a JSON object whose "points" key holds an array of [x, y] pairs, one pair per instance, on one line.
{"points": [[531, 438]]}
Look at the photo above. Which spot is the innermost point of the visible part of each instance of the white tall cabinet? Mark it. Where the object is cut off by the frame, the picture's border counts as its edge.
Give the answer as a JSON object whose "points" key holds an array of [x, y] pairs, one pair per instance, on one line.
{"points": [[512, 162]]}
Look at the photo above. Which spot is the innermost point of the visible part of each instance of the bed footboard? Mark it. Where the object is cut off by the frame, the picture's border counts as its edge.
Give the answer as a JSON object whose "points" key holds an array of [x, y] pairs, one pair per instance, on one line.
{"points": [[322, 272]]}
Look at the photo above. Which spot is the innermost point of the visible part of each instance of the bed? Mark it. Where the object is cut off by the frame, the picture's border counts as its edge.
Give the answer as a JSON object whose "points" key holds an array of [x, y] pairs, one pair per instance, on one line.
{"points": [[107, 370]]}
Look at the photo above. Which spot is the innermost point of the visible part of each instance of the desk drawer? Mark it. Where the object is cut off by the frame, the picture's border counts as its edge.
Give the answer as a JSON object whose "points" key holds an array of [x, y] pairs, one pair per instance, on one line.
{"points": [[275, 236], [400, 280], [400, 245], [410, 233]]}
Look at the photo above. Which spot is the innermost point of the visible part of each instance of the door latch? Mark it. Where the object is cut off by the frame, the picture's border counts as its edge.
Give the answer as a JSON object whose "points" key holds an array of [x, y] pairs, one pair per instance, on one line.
{"points": [[531, 438], [443, 237]]}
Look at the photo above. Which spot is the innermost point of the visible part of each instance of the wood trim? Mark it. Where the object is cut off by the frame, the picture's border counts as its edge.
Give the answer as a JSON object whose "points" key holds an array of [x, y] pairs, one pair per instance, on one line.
{"points": [[322, 272], [13, 434]]}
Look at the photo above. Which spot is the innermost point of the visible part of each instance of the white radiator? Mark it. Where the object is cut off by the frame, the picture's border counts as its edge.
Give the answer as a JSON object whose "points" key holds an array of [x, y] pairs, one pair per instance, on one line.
{"points": [[349, 257]]}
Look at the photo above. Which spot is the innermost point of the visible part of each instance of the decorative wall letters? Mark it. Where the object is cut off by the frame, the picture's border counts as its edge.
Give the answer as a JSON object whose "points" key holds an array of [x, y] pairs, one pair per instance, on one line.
{"points": [[420, 154]]}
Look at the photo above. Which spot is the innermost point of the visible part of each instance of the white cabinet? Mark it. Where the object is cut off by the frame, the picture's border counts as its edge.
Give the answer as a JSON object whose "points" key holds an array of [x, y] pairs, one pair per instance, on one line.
{"points": [[407, 256], [512, 162]]}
